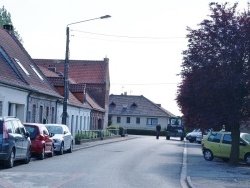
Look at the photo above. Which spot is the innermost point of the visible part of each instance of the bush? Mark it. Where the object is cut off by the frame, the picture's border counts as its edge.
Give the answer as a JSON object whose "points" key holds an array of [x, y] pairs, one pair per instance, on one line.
{"points": [[121, 129], [145, 132]]}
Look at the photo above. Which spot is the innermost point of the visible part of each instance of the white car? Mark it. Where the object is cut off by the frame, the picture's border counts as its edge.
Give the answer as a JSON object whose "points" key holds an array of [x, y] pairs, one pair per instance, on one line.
{"points": [[195, 135], [63, 140]]}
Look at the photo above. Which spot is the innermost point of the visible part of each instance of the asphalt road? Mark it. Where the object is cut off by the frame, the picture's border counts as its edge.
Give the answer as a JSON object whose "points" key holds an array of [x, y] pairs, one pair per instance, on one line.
{"points": [[142, 162]]}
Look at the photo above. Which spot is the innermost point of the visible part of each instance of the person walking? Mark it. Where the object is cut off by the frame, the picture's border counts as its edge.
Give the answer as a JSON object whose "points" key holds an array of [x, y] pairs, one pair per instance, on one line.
{"points": [[158, 130]]}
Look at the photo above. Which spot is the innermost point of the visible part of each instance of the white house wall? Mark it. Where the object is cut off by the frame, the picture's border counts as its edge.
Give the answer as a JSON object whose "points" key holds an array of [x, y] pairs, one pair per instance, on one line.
{"points": [[78, 118], [143, 122], [17, 99]]}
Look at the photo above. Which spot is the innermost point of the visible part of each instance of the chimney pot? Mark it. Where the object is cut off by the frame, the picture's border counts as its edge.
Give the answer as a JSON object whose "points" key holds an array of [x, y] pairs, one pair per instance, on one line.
{"points": [[8, 27]]}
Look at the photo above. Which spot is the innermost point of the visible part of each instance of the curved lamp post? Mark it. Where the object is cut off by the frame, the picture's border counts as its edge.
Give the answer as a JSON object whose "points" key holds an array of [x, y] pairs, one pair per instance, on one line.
{"points": [[66, 69]]}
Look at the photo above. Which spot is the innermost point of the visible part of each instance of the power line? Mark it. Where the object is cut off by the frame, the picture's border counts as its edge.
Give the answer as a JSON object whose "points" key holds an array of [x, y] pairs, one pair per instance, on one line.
{"points": [[144, 84], [131, 37]]}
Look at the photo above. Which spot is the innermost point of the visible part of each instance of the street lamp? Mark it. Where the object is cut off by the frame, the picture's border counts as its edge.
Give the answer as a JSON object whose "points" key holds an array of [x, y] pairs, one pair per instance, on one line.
{"points": [[66, 69]]}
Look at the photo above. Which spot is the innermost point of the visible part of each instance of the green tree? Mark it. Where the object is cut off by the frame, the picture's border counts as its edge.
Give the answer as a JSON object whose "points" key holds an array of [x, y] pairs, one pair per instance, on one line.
{"points": [[5, 18], [216, 72]]}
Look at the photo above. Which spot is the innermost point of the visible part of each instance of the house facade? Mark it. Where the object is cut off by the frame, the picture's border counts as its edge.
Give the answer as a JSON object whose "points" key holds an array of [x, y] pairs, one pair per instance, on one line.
{"points": [[136, 112]]}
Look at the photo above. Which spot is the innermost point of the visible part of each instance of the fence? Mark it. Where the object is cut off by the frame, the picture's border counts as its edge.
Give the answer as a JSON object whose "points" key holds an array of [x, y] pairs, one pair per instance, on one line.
{"points": [[84, 135]]}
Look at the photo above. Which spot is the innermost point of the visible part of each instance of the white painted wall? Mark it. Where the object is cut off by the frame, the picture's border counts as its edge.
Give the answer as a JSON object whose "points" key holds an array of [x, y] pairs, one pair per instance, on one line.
{"points": [[75, 114], [143, 122], [18, 100]]}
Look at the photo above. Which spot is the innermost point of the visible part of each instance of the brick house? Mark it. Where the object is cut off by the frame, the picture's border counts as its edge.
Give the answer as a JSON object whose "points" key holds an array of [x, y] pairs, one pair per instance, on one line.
{"points": [[93, 77]]}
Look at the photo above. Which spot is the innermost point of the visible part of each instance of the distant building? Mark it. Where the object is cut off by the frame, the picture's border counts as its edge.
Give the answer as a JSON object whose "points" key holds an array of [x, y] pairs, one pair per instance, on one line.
{"points": [[136, 112]]}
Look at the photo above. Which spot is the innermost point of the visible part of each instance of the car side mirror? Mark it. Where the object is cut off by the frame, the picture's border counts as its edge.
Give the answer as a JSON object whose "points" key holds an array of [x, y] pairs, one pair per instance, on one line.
{"points": [[64, 132], [242, 143], [51, 134]]}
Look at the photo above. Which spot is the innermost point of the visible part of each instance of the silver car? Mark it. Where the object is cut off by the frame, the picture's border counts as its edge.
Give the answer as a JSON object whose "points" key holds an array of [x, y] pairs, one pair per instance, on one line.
{"points": [[63, 140]]}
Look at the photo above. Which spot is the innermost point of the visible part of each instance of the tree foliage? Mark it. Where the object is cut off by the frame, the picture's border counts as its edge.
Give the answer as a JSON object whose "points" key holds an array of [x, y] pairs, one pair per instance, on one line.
{"points": [[215, 71], [5, 18]]}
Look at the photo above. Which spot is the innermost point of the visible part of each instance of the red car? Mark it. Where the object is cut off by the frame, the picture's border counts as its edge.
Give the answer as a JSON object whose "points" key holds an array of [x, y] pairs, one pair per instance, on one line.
{"points": [[41, 142]]}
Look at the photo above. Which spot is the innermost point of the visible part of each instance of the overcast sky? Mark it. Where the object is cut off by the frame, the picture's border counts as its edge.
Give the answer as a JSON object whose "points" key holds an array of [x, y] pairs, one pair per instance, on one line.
{"points": [[143, 39]]}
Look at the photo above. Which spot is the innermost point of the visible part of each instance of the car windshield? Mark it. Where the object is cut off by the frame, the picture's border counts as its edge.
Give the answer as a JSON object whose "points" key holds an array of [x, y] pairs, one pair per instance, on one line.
{"points": [[246, 137], [32, 130], [55, 129]]}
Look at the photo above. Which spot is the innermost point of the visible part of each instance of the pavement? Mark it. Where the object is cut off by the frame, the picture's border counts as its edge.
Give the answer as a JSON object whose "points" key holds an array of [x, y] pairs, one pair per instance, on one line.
{"points": [[196, 172]]}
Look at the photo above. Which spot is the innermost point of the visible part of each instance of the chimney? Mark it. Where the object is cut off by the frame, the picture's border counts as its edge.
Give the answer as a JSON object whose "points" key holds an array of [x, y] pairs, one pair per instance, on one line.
{"points": [[8, 27]]}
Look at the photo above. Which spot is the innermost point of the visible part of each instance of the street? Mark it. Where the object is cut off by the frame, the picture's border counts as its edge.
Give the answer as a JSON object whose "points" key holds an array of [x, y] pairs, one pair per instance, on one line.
{"points": [[141, 162]]}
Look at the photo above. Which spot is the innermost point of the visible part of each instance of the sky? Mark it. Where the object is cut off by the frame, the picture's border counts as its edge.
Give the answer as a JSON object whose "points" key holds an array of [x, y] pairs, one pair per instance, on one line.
{"points": [[143, 39]]}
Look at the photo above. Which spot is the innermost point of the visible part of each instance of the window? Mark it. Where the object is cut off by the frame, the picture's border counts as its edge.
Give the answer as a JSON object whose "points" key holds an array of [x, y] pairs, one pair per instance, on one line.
{"points": [[118, 119], [22, 67], [16, 128], [76, 128], [8, 126], [47, 113], [227, 139], [72, 123], [128, 120], [34, 113], [1, 108], [80, 122], [37, 73], [152, 121], [52, 114], [215, 137], [138, 120], [41, 114]]}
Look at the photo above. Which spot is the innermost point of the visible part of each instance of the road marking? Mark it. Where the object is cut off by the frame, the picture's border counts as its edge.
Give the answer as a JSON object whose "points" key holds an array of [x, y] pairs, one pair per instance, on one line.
{"points": [[184, 168]]}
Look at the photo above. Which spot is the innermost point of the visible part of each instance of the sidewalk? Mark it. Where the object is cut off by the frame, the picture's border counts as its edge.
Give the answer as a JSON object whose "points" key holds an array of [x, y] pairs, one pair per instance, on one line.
{"points": [[215, 173], [94, 143]]}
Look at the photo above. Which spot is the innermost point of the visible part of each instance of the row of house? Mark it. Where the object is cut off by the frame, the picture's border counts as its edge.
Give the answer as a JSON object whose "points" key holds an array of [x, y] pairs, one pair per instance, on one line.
{"points": [[32, 90]]}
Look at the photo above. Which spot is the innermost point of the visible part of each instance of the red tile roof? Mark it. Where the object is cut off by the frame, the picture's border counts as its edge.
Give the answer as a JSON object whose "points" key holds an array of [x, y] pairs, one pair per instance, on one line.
{"points": [[81, 71]]}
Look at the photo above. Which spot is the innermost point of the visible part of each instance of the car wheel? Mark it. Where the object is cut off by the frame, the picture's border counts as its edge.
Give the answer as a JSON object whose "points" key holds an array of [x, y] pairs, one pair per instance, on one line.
{"points": [[168, 137], [208, 155], [10, 162], [61, 149], [70, 148], [247, 158], [42, 154], [28, 156]]}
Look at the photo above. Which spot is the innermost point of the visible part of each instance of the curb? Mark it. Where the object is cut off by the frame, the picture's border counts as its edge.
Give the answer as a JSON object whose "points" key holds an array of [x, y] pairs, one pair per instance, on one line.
{"points": [[189, 182], [100, 142]]}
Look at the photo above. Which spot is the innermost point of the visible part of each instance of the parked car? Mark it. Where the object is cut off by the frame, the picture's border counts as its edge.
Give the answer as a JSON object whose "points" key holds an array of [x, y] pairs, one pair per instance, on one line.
{"points": [[41, 142], [63, 140], [15, 142], [218, 144], [192, 136]]}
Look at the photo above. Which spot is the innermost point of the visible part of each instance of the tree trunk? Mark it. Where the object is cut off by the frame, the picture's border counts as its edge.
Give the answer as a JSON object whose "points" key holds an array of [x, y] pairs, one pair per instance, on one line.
{"points": [[234, 155]]}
